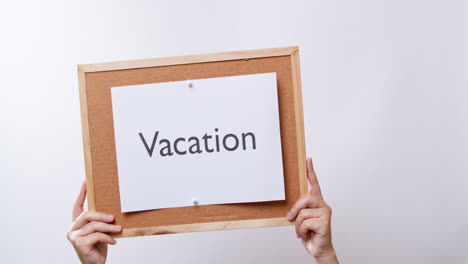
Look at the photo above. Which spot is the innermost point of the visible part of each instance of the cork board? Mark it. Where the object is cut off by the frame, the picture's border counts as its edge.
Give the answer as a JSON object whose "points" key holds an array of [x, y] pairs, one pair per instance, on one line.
{"points": [[95, 82]]}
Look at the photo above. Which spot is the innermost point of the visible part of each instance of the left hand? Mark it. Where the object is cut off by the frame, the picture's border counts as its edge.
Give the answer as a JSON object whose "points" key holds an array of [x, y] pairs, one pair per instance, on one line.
{"points": [[90, 232]]}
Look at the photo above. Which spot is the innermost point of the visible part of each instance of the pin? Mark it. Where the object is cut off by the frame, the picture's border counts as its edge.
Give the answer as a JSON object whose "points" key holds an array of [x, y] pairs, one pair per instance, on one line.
{"points": [[190, 84], [195, 201]]}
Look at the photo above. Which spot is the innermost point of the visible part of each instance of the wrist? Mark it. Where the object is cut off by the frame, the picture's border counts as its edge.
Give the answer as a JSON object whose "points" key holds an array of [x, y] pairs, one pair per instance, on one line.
{"points": [[328, 257]]}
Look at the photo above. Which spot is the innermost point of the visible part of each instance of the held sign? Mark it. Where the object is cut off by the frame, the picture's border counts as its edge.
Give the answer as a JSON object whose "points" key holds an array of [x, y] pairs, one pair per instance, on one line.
{"points": [[213, 141]]}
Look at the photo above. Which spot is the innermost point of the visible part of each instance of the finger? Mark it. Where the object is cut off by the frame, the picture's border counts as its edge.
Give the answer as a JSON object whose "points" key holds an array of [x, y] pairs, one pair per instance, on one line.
{"points": [[79, 202], [310, 225], [314, 187], [305, 214], [89, 216], [307, 201], [94, 226], [95, 238], [86, 243]]}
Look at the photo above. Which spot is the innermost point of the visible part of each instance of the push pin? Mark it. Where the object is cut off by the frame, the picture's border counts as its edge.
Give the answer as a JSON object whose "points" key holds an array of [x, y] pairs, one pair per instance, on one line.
{"points": [[190, 84], [195, 201]]}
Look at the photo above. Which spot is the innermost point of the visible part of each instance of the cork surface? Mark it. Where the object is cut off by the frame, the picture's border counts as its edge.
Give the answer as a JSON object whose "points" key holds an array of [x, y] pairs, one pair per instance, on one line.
{"points": [[102, 147]]}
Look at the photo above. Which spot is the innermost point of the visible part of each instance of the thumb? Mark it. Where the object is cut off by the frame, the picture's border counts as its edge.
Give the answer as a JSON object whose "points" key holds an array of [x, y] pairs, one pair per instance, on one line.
{"points": [[79, 202], [314, 187]]}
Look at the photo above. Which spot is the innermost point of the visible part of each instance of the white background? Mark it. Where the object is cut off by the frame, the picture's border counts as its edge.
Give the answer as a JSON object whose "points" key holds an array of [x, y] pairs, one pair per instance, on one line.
{"points": [[385, 103], [235, 105]]}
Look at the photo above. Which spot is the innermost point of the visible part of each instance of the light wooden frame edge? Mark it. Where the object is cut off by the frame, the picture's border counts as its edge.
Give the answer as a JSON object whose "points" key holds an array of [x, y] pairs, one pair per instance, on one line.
{"points": [[299, 115], [190, 59], [86, 140], [201, 227]]}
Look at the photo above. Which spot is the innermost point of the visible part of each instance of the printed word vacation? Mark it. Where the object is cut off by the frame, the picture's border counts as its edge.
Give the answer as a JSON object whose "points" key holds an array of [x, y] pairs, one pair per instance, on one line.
{"points": [[194, 145]]}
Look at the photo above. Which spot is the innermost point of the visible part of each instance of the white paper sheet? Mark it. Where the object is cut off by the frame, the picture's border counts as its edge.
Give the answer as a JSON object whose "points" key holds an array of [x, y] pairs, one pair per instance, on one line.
{"points": [[236, 105]]}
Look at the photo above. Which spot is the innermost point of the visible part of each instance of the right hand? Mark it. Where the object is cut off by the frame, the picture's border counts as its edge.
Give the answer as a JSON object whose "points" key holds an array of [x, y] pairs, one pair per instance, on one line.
{"points": [[88, 233], [313, 221]]}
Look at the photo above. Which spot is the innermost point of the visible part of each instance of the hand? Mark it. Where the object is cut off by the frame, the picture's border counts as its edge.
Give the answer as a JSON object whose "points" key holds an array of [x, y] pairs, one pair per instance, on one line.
{"points": [[88, 232], [313, 221]]}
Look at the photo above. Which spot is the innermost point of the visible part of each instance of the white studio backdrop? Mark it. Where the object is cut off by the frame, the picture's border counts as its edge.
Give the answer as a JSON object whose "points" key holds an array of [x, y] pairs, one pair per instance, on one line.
{"points": [[385, 104]]}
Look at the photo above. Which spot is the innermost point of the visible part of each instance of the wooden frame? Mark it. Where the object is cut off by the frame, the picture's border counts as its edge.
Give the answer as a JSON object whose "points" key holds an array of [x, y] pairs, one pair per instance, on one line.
{"points": [[95, 77]]}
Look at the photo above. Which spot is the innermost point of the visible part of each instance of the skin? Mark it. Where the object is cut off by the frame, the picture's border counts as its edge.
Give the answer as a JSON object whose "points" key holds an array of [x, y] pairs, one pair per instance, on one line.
{"points": [[312, 217], [89, 233]]}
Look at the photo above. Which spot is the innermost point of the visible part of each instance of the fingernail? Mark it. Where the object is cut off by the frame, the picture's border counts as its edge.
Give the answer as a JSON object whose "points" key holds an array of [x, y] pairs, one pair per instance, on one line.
{"points": [[289, 216], [117, 227], [110, 217], [115, 241], [298, 236]]}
